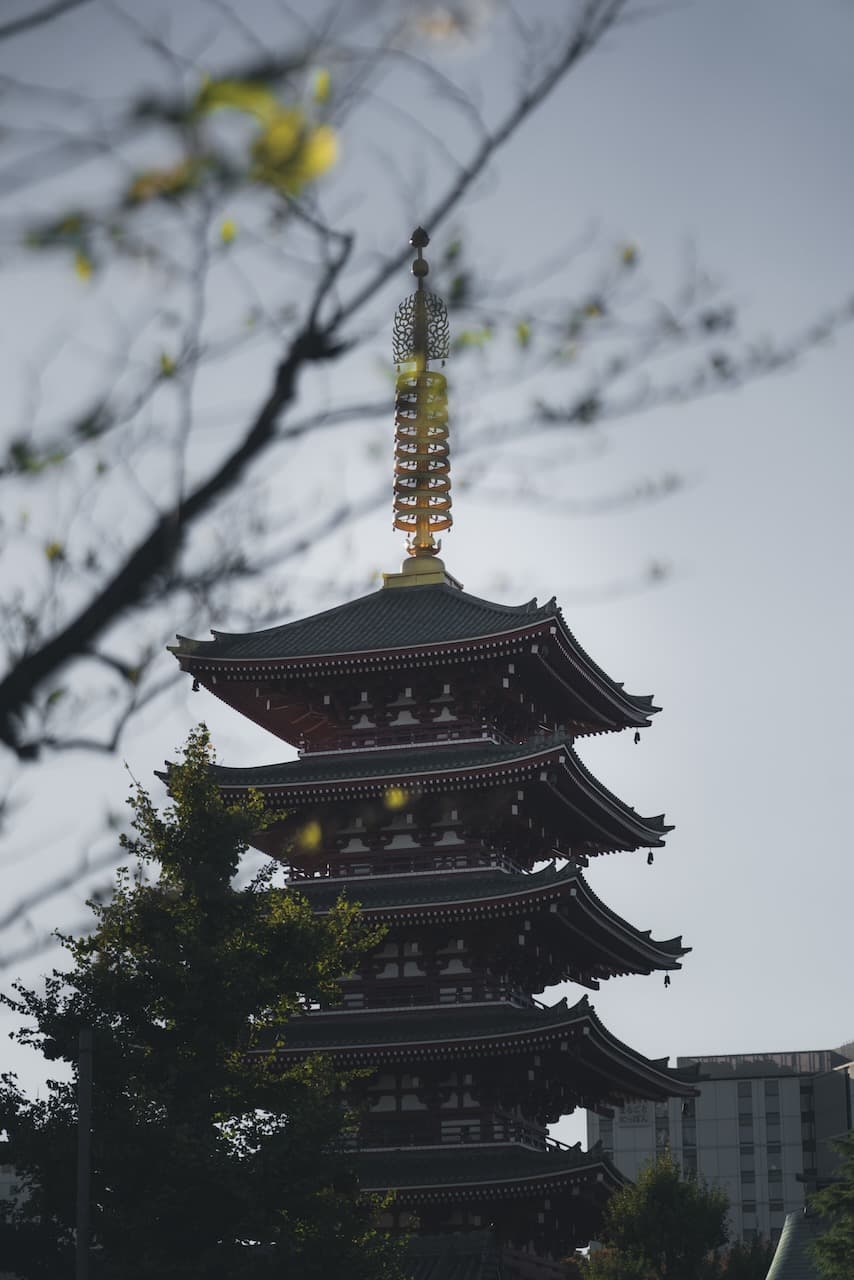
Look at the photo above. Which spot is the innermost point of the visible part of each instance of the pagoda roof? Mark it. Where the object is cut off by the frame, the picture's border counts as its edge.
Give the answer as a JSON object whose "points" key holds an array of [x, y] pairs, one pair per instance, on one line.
{"points": [[506, 1170], [463, 1255], [322, 775], [794, 1258], [417, 617], [371, 1036], [615, 945], [387, 628]]}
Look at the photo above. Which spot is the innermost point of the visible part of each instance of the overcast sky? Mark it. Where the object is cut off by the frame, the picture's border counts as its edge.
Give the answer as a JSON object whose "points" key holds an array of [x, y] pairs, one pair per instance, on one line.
{"points": [[724, 126]]}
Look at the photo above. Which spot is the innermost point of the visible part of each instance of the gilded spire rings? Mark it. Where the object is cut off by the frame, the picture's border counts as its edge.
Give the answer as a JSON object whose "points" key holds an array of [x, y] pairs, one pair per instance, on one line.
{"points": [[422, 484]]}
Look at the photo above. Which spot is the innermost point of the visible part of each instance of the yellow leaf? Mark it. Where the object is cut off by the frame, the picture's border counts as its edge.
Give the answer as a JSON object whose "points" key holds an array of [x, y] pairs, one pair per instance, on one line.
{"points": [[309, 837], [167, 365], [523, 333], [281, 138], [228, 231], [629, 255], [395, 798], [319, 152], [154, 183], [83, 266], [287, 156], [54, 551], [240, 95], [322, 85]]}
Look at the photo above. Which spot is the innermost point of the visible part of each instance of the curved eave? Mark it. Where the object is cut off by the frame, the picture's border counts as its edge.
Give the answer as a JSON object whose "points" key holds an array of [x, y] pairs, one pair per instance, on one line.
{"points": [[633, 1075], [631, 950], [621, 827], [494, 1170], [540, 633]]}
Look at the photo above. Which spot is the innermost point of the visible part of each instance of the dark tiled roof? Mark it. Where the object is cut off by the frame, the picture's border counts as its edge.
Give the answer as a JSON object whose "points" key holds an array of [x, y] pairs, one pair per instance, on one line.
{"points": [[382, 620], [793, 1259], [464, 1166], [470, 1255], [400, 762], [376, 894], [418, 765], [367, 1028], [381, 626], [367, 1034]]}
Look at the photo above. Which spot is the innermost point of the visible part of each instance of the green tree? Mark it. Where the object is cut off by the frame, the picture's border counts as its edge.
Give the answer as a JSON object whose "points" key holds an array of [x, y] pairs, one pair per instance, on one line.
{"points": [[834, 1248], [747, 1261], [661, 1228], [208, 1158]]}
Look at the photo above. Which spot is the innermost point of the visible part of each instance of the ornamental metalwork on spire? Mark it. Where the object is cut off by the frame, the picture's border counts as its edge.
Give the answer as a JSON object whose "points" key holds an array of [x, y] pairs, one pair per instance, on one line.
{"points": [[422, 467]]}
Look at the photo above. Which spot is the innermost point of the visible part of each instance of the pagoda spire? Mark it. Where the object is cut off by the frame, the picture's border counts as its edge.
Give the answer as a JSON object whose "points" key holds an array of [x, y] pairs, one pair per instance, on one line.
{"points": [[422, 468]]}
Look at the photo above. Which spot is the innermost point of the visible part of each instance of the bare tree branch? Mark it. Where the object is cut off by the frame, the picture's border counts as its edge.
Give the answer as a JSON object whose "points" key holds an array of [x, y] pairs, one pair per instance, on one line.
{"points": [[18, 26]]}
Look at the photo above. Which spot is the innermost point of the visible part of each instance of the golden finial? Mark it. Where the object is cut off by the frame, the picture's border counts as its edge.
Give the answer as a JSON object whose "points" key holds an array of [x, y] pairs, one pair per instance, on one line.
{"points": [[422, 470]]}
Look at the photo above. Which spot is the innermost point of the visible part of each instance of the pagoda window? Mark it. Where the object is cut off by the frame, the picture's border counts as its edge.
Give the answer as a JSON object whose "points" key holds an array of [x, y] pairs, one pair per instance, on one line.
{"points": [[354, 845], [445, 714], [402, 841], [404, 717]]}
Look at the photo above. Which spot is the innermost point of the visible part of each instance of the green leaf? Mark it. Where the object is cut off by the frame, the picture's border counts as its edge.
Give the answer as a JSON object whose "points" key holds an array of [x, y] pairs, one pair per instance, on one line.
{"points": [[322, 87]]}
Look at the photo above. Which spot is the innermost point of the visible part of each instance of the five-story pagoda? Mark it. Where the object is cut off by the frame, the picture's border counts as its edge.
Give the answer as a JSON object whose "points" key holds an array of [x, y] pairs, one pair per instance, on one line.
{"points": [[438, 785]]}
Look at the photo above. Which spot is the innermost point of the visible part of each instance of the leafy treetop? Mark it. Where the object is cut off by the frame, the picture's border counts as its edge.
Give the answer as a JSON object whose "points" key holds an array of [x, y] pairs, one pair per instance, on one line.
{"points": [[209, 1158]]}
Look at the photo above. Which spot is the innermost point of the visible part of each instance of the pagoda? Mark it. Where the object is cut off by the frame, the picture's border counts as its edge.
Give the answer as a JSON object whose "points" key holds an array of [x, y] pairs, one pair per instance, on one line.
{"points": [[438, 785]]}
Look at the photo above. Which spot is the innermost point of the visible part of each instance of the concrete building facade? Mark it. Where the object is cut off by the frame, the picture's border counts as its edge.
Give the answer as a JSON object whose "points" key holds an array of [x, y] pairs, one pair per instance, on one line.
{"points": [[761, 1130]]}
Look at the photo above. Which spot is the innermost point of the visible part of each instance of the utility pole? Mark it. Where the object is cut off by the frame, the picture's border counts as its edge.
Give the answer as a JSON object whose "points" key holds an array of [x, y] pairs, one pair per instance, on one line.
{"points": [[84, 1152]]}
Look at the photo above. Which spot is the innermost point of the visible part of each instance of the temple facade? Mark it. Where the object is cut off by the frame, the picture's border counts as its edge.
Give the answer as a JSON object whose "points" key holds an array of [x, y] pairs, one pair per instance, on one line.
{"points": [[438, 785]]}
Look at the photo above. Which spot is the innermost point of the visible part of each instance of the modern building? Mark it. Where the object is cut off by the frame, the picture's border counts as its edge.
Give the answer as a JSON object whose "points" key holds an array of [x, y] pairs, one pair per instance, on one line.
{"points": [[438, 785], [761, 1129]]}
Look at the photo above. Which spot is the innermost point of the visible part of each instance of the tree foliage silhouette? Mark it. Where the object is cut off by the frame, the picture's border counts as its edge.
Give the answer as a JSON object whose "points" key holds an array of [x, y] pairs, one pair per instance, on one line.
{"points": [[209, 1158]]}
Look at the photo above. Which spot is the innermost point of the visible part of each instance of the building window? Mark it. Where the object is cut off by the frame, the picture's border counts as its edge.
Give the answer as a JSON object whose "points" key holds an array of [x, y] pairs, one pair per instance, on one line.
{"points": [[748, 1175], [689, 1162], [773, 1148], [773, 1117], [748, 1206], [776, 1206], [746, 1149], [775, 1175], [772, 1088], [745, 1089]]}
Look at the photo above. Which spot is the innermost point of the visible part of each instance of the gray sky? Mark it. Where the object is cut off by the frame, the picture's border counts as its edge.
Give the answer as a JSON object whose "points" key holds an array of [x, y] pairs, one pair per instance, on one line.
{"points": [[725, 126]]}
